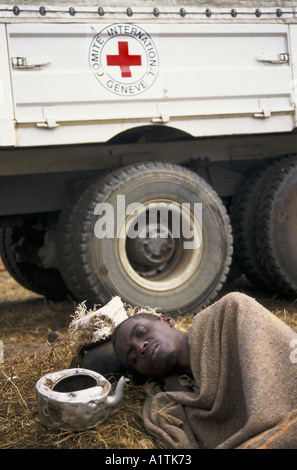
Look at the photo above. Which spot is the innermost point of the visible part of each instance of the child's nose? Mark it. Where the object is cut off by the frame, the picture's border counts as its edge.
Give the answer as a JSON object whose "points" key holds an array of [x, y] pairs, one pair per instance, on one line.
{"points": [[143, 347]]}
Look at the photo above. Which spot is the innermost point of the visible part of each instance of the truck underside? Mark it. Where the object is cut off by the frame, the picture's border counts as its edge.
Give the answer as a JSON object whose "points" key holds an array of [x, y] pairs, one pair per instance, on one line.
{"points": [[46, 194]]}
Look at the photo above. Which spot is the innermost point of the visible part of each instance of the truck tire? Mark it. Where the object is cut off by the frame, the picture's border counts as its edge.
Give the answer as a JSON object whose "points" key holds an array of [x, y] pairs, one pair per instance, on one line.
{"points": [[46, 282], [277, 227], [244, 219], [6, 259], [164, 273]]}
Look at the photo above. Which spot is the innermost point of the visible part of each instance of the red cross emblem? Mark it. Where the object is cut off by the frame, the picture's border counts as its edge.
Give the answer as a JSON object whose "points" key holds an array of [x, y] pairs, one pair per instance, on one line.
{"points": [[123, 59]]}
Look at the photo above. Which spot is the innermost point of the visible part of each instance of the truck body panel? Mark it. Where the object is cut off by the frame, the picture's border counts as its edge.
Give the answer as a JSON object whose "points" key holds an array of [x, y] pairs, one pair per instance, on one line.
{"points": [[65, 91], [7, 131]]}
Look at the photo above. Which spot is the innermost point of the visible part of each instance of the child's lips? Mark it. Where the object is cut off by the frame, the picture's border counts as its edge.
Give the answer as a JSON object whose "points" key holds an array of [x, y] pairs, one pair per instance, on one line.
{"points": [[153, 349]]}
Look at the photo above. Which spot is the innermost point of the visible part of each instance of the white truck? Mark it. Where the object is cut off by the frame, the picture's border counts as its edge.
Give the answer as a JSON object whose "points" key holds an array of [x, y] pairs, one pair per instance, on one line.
{"points": [[146, 147]]}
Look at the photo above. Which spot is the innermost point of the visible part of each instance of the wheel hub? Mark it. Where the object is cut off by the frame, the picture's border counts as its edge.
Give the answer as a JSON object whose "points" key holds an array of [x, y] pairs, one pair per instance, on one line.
{"points": [[153, 247]]}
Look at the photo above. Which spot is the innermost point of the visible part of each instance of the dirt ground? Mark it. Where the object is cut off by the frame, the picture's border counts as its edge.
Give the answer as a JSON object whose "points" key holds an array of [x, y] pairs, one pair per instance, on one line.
{"points": [[27, 322]]}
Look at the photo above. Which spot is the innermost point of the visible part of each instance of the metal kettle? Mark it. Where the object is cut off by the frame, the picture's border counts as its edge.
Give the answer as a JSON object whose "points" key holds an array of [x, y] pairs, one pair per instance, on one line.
{"points": [[75, 399]]}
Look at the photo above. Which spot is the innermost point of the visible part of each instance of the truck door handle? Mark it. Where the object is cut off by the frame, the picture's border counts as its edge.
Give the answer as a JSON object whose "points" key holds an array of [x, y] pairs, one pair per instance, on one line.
{"points": [[29, 63], [281, 58]]}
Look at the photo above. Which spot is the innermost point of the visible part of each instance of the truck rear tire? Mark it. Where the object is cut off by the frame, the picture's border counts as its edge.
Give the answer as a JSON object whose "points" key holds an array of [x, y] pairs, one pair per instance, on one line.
{"points": [[46, 282], [277, 227], [244, 219], [165, 273]]}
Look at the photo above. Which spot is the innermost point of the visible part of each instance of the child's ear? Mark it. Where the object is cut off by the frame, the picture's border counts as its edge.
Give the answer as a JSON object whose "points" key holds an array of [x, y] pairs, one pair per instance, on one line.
{"points": [[169, 320]]}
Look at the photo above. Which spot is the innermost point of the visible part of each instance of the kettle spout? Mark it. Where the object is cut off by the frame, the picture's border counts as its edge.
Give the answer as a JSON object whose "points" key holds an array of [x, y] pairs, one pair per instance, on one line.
{"points": [[116, 398]]}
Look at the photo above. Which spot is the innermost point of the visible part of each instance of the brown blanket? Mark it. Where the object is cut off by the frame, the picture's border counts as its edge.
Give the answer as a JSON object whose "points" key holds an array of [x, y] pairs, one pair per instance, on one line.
{"points": [[246, 383]]}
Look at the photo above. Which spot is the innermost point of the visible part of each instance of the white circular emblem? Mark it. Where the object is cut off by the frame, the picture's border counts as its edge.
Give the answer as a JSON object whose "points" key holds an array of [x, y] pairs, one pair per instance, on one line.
{"points": [[124, 59]]}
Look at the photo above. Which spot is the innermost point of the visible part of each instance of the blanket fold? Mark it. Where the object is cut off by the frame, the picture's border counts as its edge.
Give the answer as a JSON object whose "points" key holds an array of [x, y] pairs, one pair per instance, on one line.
{"points": [[246, 394]]}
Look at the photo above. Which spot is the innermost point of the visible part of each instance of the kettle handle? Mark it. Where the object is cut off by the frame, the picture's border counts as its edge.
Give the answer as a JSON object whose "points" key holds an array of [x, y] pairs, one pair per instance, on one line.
{"points": [[117, 396]]}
